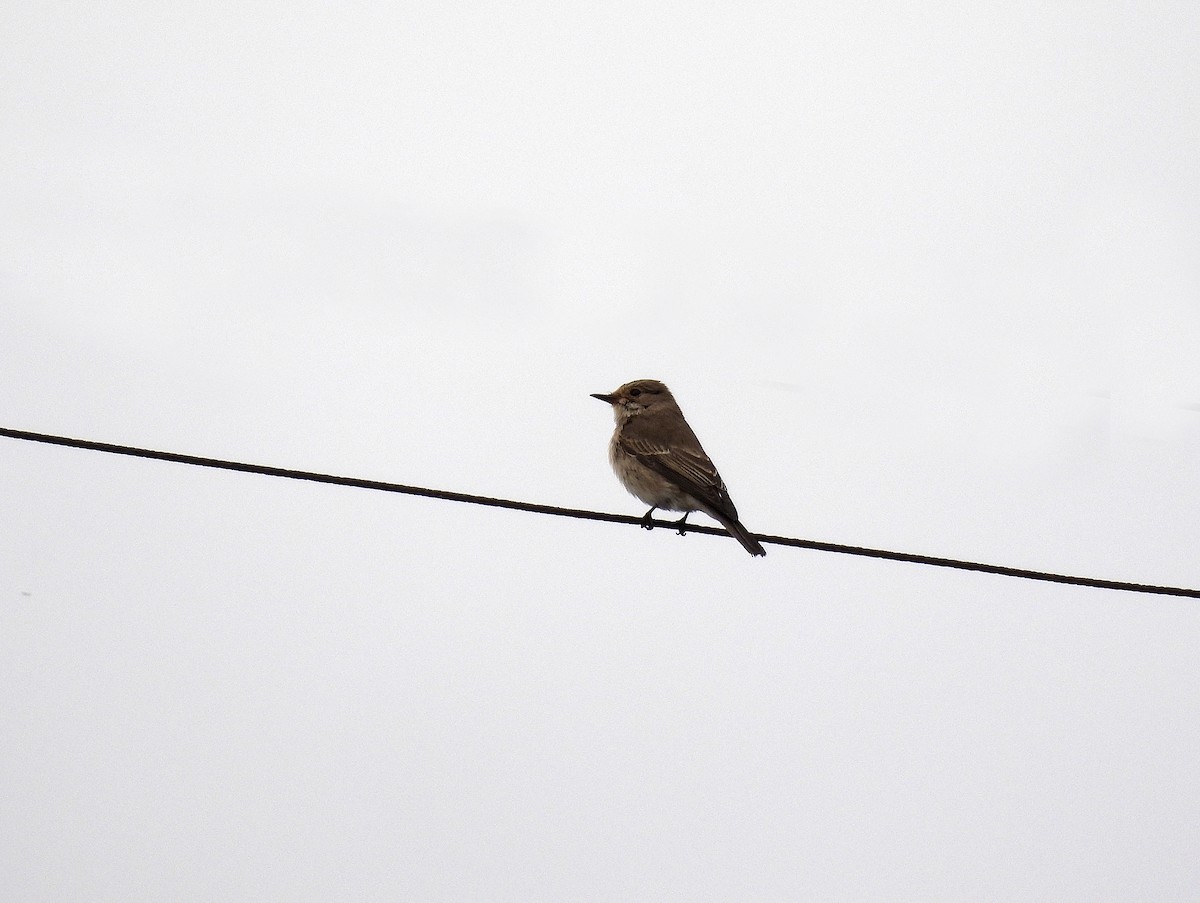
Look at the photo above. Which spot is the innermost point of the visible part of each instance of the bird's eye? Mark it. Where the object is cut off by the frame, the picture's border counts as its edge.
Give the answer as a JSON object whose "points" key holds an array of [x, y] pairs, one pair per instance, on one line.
{"points": [[635, 393]]}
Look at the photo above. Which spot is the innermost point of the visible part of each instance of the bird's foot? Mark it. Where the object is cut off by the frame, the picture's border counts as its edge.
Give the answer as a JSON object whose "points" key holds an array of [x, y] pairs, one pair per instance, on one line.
{"points": [[682, 524], [647, 520]]}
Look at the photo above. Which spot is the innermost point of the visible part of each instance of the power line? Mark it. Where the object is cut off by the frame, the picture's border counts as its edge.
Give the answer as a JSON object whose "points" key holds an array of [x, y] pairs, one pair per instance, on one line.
{"points": [[379, 486]]}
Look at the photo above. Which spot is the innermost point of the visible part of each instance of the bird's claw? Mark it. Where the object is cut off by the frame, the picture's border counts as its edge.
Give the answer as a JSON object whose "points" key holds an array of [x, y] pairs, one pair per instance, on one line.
{"points": [[681, 524]]}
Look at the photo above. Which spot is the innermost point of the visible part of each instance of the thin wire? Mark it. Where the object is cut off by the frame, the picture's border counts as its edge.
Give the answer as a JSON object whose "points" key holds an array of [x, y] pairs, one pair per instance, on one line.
{"points": [[379, 486]]}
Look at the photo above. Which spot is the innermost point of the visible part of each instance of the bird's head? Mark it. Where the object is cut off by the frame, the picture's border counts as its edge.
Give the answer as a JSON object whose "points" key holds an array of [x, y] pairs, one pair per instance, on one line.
{"points": [[633, 398]]}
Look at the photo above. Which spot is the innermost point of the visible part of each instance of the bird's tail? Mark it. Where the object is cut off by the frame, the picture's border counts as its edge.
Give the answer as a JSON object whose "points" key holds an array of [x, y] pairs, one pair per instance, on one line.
{"points": [[740, 533]]}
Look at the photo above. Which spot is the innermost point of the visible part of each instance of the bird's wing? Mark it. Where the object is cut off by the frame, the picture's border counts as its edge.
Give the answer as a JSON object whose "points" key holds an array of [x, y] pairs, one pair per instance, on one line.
{"points": [[690, 469]]}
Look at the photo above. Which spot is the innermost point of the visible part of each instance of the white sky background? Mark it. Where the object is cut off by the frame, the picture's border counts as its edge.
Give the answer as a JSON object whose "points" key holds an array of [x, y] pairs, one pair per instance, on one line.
{"points": [[922, 278]]}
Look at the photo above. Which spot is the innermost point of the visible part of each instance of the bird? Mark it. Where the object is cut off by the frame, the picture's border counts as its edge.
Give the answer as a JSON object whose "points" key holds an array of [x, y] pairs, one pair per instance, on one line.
{"points": [[659, 460]]}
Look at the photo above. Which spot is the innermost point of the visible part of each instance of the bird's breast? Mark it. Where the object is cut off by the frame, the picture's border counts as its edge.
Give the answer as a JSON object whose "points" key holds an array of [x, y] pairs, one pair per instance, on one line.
{"points": [[645, 484]]}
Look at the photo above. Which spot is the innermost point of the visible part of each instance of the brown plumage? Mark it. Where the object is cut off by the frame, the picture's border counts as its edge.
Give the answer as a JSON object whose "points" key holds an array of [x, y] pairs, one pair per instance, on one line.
{"points": [[658, 458]]}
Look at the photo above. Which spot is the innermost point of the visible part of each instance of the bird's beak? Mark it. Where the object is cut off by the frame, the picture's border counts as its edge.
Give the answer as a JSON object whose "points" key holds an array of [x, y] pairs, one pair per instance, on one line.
{"points": [[607, 399]]}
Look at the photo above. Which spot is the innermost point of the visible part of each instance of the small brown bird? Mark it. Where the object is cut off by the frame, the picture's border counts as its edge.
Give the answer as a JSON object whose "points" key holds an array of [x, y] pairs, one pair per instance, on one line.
{"points": [[658, 458]]}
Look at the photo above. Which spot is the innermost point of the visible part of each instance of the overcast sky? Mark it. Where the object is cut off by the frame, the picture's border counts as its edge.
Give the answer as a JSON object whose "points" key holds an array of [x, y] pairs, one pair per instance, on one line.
{"points": [[923, 277]]}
